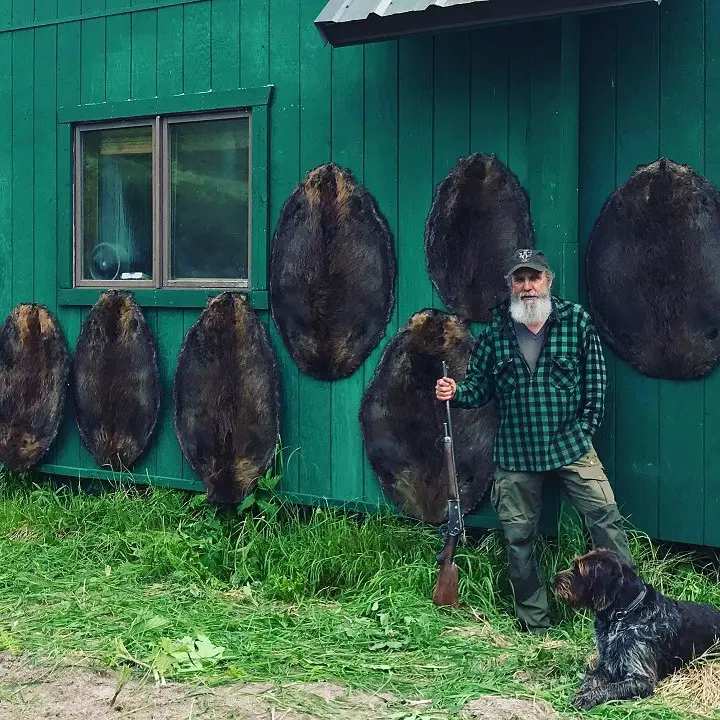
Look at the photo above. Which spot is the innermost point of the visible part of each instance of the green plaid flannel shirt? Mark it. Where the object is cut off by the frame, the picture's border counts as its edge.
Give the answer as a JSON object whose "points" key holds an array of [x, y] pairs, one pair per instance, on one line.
{"points": [[547, 418]]}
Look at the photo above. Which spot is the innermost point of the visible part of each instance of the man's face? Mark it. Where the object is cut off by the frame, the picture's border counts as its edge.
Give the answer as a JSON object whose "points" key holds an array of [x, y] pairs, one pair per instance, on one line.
{"points": [[529, 285]]}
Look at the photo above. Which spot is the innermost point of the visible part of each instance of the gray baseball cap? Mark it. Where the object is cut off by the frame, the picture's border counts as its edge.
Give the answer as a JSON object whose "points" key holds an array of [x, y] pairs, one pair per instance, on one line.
{"points": [[528, 258]]}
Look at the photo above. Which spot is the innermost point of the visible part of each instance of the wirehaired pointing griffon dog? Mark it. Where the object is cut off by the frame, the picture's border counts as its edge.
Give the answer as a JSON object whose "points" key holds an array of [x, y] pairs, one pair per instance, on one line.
{"points": [[642, 636]]}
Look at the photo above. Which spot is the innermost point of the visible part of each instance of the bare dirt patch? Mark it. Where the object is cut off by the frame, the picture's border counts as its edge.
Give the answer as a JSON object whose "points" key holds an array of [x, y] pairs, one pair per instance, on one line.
{"points": [[76, 692], [79, 693], [500, 708]]}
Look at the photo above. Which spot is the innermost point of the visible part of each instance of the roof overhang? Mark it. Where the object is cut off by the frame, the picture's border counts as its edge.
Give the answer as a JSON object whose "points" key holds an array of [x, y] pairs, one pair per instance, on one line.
{"points": [[352, 22]]}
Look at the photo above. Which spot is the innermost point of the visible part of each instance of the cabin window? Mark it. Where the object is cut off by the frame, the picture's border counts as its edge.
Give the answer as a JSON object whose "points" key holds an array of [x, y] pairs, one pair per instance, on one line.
{"points": [[163, 202]]}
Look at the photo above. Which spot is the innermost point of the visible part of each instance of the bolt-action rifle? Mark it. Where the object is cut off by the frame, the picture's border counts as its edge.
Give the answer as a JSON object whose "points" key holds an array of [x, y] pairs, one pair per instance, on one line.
{"points": [[446, 587]]}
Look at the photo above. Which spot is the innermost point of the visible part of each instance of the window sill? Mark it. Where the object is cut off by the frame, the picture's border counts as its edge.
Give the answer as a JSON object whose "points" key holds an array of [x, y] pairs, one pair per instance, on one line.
{"points": [[165, 298]]}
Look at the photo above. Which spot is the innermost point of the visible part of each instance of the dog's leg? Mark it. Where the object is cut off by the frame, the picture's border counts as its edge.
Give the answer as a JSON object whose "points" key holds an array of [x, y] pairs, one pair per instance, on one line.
{"points": [[636, 686], [593, 678]]}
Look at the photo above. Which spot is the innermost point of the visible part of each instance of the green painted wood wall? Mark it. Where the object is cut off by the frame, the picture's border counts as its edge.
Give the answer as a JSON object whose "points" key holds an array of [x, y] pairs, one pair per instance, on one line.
{"points": [[567, 104], [650, 87]]}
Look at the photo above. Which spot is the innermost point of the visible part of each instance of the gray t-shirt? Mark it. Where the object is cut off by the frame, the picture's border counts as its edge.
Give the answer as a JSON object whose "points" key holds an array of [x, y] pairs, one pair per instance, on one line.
{"points": [[530, 345]]}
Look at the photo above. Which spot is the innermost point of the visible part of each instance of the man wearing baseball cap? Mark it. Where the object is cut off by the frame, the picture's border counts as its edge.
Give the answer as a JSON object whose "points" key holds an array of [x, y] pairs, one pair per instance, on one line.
{"points": [[540, 359]]}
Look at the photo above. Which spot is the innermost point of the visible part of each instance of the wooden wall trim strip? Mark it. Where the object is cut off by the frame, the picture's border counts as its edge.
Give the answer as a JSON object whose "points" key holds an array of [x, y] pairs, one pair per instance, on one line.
{"points": [[193, 102], [94, 473], [186, 298]]}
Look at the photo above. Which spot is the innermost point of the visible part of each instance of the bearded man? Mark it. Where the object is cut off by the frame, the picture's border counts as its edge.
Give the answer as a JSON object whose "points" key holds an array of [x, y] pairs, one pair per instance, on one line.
{"points": [[541, 361]]}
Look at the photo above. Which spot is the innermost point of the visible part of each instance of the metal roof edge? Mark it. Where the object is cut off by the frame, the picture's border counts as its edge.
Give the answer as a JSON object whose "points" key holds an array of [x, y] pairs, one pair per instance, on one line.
{"points": [[453, 17]]}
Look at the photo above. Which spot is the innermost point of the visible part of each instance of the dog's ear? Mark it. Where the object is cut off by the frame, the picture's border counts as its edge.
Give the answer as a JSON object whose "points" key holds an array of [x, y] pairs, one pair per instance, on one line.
{"points": [[606, 579]]}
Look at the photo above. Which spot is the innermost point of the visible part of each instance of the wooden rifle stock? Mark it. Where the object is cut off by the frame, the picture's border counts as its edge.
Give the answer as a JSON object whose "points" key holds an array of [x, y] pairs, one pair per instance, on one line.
{"points": [[446, 587]]}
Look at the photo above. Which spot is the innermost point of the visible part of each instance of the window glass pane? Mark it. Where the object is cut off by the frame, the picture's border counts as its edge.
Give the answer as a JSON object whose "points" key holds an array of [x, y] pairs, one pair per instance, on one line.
{"points": [[209, 180], [117, 213]]}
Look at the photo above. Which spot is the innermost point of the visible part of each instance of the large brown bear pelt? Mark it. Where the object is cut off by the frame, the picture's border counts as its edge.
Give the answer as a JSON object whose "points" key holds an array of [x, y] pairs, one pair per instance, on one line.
{"points": [[652, 271], [117, 384], [34, 368], [332, 274], [227, 399], [480, 215], [402, 421]]}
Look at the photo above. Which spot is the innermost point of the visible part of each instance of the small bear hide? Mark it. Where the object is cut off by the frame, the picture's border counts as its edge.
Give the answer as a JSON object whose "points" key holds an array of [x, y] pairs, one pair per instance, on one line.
{"points": [[480, 215], [227, 399], [34, 370], [653, 285], [402, 421], [332, 274], [117, 383]]}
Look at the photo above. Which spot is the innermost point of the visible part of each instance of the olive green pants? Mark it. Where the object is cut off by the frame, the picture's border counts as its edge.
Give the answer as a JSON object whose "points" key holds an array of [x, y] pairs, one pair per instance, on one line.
{"points": [[517, 498]]}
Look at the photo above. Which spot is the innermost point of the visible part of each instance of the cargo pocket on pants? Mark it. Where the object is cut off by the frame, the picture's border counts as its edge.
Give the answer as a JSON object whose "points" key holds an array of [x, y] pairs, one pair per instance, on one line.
{"points": [[588, 467], [587, 483]]}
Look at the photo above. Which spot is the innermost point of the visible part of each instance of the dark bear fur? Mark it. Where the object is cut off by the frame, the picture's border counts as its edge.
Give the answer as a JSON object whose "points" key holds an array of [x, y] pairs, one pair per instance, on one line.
{"points": [[34, 369], [402, 421], [653, 284], [227, 398], [332, 274], [117, 383], [480, 215]]}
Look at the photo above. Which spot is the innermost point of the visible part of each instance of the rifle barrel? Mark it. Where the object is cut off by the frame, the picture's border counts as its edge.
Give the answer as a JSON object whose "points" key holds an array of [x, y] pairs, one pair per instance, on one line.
{"points": [[446, 587]]}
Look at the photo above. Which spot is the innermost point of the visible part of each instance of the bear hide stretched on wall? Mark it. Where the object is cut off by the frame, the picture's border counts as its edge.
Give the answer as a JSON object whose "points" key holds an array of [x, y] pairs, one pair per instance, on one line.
{"points": [[332, 274], [117, 383], [402, 421], [34, 369], [652, 261], [227, 399], [480, 215]]}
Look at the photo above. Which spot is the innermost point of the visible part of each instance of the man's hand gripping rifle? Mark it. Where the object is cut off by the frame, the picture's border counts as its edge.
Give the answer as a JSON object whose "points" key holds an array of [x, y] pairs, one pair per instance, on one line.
{"points": [[446, 588]]}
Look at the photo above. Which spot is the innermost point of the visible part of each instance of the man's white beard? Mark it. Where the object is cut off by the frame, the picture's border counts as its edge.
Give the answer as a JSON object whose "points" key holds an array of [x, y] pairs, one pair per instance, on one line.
{"points": [[530, 313]]}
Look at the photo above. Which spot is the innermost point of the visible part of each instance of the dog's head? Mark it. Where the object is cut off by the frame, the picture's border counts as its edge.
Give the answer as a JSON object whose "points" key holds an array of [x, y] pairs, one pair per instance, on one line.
{"points": [[593, 581]]}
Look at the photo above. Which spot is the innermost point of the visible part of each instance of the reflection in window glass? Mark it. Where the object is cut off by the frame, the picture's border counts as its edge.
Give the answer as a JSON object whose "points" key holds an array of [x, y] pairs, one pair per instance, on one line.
{"points": [[208, 199], [117, 221]]}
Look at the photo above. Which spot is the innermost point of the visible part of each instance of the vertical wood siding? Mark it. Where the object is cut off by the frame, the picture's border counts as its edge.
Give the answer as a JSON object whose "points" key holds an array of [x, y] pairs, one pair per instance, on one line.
{"points": [[399, 115], [650, 87]]}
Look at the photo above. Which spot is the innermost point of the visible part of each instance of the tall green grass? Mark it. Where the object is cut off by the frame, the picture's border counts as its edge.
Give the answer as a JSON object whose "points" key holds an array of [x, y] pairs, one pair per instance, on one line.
{"points": [[159, 581]]}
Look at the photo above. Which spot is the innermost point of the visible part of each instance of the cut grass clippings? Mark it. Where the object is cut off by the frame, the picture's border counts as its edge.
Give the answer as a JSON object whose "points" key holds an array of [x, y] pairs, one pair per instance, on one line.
{"points": [[157, 581]]}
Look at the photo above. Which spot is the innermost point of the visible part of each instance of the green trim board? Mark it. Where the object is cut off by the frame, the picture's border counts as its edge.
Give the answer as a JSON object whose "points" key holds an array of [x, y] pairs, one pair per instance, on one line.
{"points": [[120, 477], [161, 298], [174, 104], [259, 210], [486, 518], [64, 205], [483, 517]]}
